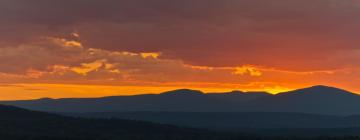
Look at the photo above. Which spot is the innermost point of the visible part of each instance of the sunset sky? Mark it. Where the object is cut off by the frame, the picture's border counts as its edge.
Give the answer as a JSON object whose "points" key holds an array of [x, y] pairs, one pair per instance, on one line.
{"points": [[94, 48]]}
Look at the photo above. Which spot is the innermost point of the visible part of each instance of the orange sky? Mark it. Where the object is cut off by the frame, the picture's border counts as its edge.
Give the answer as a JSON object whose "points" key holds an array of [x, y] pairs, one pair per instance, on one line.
{"points": [[131, 47]]}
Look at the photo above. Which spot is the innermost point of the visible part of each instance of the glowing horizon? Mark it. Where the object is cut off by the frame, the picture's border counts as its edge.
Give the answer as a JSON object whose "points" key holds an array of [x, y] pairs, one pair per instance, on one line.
{"points": [[58, 91], [153, 46]]}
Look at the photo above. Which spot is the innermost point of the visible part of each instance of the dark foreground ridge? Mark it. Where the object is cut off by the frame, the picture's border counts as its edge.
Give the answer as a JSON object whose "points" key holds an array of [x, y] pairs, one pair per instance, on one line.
{"points": [[21, 124], [235, 121]]}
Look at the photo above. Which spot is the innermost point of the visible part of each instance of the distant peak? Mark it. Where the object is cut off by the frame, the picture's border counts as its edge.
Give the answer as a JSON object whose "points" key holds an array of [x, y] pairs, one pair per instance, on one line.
{"points": [[45, 99], [319, 89], [323, 87], [183, 92]]}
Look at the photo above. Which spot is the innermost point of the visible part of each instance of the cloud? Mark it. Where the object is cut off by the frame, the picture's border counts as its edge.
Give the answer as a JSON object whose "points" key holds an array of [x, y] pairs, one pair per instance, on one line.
{"points": [[85, 68], [60, 59], [55, 60], [202, 32], [253, 71], [245, 44]]}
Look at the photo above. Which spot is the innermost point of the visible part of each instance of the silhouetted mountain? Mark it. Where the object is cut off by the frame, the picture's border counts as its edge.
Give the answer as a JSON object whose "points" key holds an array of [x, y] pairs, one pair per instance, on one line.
{"points": [[235, 120], [238, 96], [319, 89], [177, 100], [183, 92], [315, 100], [223, 111], [21, 124]]}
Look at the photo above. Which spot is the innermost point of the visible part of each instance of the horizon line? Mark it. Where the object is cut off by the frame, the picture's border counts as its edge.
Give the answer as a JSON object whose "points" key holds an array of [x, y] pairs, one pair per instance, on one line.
{"points": [[175, 89]]}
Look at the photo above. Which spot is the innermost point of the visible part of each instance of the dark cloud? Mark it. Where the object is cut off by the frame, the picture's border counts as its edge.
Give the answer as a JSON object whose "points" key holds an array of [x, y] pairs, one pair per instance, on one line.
{"points": [[295, 35]]}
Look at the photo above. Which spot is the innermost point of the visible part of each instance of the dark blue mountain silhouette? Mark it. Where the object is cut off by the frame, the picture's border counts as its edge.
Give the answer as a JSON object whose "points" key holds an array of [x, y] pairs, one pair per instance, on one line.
{"points": [[183, 92], [317, 99], [22, 124], [235, 120]]}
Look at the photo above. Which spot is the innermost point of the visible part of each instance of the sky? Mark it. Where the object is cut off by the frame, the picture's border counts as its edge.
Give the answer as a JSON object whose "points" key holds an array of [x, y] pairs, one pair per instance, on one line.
{"points": [[95, 48]]}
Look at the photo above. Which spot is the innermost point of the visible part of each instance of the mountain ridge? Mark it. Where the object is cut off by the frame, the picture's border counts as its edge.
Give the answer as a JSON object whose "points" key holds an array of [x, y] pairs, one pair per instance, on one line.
{"points": [[314, 100], [318, 88], [22, 124], [183, 92], [199, 92]]}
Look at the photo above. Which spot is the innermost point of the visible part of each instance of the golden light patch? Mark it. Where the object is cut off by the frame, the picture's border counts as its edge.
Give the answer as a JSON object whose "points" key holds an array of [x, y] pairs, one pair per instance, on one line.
{"points": [[276, 89], [252, 71], [150, 55], [85, 68]]}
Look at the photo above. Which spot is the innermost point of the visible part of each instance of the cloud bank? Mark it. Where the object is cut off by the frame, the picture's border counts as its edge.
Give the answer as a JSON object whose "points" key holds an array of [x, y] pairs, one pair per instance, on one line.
{"points": [[238, 44]]}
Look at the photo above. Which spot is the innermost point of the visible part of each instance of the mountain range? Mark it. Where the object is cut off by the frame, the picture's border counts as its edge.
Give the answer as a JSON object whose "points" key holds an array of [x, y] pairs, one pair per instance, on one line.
{"points": [[322, 100], [22, 124], [186, 114]]}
